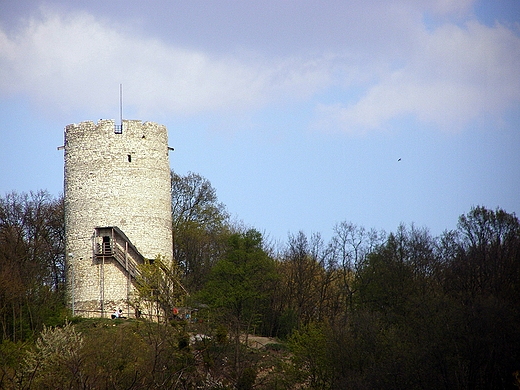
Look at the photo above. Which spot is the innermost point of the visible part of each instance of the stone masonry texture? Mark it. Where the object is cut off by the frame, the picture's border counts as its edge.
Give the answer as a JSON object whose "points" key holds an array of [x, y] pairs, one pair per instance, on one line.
{"points": [[118, 180]]}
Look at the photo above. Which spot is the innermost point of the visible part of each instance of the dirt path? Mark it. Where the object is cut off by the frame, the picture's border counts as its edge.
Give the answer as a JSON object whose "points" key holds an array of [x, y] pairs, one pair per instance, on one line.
{"points": [[257, 341]]}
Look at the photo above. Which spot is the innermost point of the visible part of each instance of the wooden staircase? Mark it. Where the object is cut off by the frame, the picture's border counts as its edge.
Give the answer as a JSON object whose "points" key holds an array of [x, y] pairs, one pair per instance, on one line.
{"points": [[111, 243]]}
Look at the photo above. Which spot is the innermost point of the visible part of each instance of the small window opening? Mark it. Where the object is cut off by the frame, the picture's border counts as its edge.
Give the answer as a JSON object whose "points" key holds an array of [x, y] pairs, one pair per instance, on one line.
{"points": [[129, 158]]}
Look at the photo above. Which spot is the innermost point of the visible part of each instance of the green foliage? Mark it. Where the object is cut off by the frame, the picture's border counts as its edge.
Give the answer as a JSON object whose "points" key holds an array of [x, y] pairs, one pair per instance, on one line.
{"points": [[246, 380], [11, 358], [311, 361], [108, 354], [239, 283], [200, 225], [287, 322], [406, 310], [195, 200], [159, 287], [56, 359], [221, 334]]}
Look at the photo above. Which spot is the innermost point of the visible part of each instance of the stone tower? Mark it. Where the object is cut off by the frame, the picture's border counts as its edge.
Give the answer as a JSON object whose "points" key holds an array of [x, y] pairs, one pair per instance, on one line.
{"points": [[117, 210]]}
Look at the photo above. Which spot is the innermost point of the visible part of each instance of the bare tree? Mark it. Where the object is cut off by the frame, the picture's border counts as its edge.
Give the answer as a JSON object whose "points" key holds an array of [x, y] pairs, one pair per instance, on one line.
{"points": [[349, 248], [31, 261]]}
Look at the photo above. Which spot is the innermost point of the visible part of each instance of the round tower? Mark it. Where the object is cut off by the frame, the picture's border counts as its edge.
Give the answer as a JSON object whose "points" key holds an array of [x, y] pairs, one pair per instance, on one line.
{"points": [[117, 210]]}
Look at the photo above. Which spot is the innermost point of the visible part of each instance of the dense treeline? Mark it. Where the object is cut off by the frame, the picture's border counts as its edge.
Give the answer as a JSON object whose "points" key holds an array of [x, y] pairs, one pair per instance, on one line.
{"points": [[365, 310], [32, 268]]}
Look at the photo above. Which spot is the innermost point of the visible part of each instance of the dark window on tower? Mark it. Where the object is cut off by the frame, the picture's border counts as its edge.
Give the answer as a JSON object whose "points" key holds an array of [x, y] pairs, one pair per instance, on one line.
{"points": [[106, 249], [129, 158]]}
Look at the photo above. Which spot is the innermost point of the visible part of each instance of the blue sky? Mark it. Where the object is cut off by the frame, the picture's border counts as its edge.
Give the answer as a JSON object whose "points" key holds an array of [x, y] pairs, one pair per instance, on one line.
{"points": [[296, 111]]}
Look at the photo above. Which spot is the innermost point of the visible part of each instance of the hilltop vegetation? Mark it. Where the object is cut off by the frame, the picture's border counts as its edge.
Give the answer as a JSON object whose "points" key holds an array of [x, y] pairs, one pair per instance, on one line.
{"points": [[367, 309]]}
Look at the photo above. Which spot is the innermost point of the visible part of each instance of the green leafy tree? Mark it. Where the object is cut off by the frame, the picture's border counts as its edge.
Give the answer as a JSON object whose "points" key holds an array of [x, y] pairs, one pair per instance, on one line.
{"points": [[239, 284], [159, 288], [56, 361], [311, 359], [200, 225], [397, 272]]}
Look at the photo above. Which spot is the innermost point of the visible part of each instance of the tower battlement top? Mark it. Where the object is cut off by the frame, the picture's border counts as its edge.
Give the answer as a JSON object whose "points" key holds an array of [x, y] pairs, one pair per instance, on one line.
{"points": [[112, 122], [109, 128]]}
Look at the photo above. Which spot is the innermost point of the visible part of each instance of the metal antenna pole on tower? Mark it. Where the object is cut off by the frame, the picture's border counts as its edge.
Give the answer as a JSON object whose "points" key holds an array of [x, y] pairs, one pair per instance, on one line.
{"points": [[121, 105], [118, 129]]}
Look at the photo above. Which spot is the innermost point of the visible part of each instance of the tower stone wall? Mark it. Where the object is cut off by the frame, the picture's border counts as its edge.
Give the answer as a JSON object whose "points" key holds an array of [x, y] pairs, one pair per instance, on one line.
{"points": [[119, 179]]}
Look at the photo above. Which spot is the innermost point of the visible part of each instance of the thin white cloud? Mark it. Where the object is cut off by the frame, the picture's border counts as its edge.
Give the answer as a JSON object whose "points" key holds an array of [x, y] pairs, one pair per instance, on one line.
{"points": [[456, 75], [65, 63]]}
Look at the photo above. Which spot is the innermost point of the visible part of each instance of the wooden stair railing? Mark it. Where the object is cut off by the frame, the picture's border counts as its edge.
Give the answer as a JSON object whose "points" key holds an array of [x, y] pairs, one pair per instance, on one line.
{"points": [[117, 252]]}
